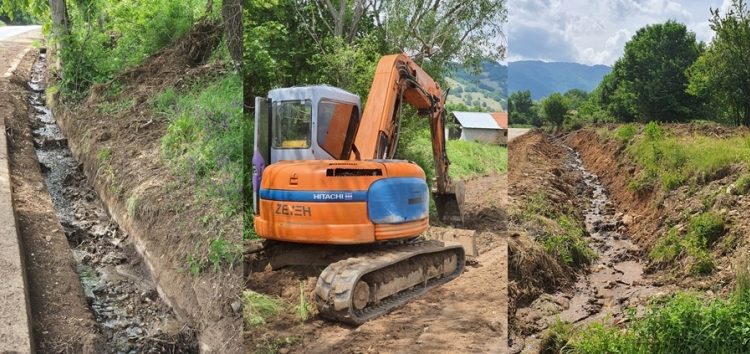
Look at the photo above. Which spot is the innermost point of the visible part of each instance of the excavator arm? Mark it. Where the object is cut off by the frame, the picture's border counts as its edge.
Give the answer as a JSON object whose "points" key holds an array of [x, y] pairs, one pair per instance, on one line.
{"points": [[399, 80]]}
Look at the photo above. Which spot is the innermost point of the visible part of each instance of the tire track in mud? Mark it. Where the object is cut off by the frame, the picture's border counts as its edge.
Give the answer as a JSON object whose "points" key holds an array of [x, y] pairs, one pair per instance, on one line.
{"points": [[116, 282]]}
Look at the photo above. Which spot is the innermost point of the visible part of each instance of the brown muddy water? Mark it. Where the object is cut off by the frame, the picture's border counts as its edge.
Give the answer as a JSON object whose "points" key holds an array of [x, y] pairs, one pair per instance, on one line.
{"points": [[616, 281], [116, 281]]}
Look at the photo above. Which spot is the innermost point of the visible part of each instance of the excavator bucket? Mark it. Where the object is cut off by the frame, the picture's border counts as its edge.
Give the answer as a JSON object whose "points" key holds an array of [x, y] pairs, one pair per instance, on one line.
{"points": [[450, 204]]}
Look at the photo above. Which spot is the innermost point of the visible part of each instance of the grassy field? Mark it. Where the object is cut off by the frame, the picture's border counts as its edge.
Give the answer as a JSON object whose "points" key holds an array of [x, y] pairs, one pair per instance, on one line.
{"points": [[670, 161]]}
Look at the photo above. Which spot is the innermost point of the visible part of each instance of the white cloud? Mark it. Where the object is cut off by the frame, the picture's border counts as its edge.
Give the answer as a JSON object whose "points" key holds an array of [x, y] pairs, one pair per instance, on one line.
{"points": [[594, 32]]}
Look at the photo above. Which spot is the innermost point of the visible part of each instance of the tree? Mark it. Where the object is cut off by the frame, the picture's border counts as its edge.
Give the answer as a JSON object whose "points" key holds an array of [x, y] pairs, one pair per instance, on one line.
{"points": [[722, 74], [521, 108], [231, 12], [576, 98], [650, 79], [554, 109]]}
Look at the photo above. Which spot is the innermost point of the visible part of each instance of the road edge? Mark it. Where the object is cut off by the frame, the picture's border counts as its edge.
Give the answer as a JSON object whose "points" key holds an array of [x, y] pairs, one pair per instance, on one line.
{"points": [[15, 323]]}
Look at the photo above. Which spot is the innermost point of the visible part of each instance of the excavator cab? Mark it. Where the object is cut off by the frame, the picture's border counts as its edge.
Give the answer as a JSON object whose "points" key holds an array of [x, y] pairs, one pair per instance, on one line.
{"points": [[303, 123]]}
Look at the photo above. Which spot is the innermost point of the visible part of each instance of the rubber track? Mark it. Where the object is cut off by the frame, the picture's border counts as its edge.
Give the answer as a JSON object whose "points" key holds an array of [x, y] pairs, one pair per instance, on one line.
{"points": [[336, 283]]}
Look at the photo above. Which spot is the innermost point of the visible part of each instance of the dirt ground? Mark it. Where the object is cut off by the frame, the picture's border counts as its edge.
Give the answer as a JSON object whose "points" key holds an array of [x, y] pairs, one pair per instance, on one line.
{"points": [[467, 315], [651, 214], [589, 175], [61, 319]]}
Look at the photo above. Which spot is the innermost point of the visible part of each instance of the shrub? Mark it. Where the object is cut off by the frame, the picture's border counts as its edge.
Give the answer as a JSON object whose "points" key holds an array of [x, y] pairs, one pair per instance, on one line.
{"points": [[626, 133], [569, 246], [668, 248]]}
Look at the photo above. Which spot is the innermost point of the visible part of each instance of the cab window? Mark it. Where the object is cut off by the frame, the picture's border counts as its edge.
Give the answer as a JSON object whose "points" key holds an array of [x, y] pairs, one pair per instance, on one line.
{"points": [[337, 124], [292, 124]]}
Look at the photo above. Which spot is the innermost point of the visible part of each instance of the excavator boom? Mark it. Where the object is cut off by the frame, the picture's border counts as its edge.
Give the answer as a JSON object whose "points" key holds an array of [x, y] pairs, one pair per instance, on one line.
{"points": [[399, 80]]}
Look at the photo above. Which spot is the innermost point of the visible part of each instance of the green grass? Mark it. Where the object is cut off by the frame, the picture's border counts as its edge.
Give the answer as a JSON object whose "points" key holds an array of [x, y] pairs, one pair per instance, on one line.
{"points": [[203, 142], [468, 158], [671, 161], [568, 244], [304, 307], [668, 248], [222, 252], [702, 232], [258, 308], [562, 236], [742, 185], [683, 323]]}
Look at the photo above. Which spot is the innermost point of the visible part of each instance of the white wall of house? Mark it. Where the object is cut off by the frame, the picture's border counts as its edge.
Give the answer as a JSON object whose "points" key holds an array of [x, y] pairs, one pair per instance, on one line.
{"points": [[489, 136]]}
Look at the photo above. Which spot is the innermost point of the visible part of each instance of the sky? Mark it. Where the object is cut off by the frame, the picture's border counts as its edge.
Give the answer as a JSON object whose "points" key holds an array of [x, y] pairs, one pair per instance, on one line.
{"points": [[594, 31]]}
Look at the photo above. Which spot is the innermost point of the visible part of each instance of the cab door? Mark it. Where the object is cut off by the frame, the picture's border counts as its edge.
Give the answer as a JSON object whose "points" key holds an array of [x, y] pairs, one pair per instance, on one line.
{"points": [[262, 145]]}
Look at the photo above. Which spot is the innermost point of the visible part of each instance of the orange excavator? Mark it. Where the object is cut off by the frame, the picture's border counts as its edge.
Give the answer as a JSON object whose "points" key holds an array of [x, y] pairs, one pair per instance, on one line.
{"points": [[324, 174]]}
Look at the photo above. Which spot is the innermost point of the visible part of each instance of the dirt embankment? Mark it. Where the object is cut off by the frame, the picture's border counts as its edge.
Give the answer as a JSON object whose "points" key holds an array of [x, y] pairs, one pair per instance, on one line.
{"points": [[649, 215], [119, 149], [466, 315], [537, 170]]}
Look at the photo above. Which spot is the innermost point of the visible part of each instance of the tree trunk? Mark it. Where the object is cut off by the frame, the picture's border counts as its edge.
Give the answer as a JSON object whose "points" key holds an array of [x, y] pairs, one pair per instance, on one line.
{"points": [[60, 27], [231, 12]]}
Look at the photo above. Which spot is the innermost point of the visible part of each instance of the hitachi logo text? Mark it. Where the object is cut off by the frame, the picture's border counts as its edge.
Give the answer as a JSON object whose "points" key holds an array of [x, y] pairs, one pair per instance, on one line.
{"points": [[333, 196]]}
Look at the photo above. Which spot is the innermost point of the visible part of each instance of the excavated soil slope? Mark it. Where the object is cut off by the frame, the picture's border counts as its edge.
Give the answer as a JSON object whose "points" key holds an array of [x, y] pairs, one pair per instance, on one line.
{"points": [[651, 214], [467, 315], [159, 210]]}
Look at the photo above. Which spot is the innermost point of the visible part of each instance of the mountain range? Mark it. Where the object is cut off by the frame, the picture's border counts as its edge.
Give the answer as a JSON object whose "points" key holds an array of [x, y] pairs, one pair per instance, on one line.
{"points": [[545, 78], [489, 88]]}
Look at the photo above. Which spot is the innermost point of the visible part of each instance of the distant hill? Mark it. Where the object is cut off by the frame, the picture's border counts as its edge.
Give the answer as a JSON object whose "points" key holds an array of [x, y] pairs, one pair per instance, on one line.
{"points": [[544, 78], [487, 90]]}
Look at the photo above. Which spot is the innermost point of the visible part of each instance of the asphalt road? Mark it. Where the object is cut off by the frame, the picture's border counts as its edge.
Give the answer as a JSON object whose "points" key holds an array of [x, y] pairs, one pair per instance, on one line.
{"points": [[6, 32]]}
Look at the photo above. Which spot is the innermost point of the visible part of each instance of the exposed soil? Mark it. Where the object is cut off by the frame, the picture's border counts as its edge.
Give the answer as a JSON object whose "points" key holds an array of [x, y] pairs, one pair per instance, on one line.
{"points": [[651, 214], [604, 290], [116, 282], [466, 315], [589, 174], [161, 213], [61, 318]]}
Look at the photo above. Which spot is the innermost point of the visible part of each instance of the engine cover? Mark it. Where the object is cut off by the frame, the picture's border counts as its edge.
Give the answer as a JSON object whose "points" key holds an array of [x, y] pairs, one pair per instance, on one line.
{"points": [[342, 202]]}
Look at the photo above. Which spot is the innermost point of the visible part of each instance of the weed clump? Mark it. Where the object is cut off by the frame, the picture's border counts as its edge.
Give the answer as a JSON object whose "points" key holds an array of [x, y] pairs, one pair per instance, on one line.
{"points": [[258, 308]]}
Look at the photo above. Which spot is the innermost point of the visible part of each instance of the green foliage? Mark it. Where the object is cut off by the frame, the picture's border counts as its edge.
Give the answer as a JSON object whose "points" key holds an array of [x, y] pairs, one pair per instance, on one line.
{"points": [[257, 308], [554, 109], [680, 324], [562, 235], [702, 232], [205, 135], [108, 36], [648, 82], [521, 108], [716, 76], [742, 185], [222, 252], [668, 248], [673, 161], [556, 338], [625, 133], [304, 307], [104, 155], [705, 228], [568, 244]]}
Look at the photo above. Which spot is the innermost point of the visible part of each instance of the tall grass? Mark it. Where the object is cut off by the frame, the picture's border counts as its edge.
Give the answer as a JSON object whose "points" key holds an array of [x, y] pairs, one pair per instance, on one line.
{"points": [[203, 142], [468, 158], [671, 161]]}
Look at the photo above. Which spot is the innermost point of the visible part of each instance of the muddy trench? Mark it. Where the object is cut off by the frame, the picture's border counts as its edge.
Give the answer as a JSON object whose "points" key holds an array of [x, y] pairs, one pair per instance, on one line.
{"points": [[615, 281], [116, 281]]}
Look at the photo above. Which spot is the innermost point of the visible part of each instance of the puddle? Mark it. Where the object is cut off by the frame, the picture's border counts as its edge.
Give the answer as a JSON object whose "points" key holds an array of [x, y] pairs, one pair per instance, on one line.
{"points": [[616, 278], [116, 282]]}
